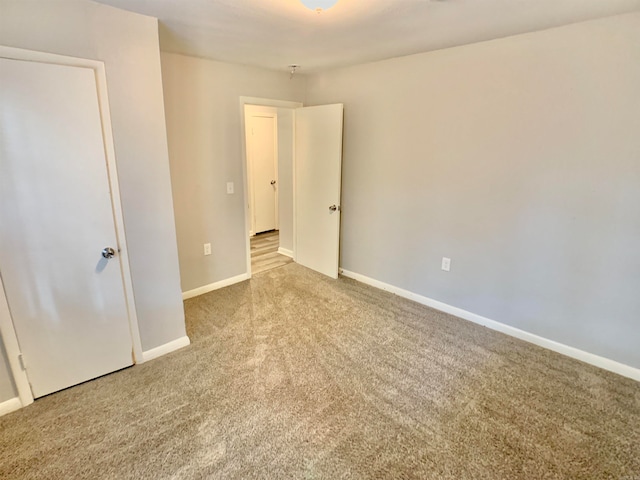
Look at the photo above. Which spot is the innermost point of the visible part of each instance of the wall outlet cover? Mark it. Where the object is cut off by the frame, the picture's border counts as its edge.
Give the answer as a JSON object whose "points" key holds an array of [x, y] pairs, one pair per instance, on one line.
{"points": [[446, 264]]}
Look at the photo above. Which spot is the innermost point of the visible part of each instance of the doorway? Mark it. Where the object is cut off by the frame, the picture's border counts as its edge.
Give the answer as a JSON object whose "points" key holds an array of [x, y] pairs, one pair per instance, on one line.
{"points": [[264, 252], [268, 127], [67, 311], [309, 165]]}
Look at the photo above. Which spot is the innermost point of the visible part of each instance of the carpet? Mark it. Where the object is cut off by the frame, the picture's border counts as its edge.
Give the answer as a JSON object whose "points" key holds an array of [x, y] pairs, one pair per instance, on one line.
{"points": [[292, 375]]}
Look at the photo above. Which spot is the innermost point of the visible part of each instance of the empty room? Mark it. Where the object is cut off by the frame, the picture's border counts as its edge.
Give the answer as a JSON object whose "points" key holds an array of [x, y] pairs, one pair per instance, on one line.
{"points": [[320, 239]]}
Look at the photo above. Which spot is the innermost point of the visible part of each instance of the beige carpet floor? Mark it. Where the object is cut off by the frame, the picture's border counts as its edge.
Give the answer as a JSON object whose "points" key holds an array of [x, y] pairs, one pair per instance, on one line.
{"points": [[295, 376]]}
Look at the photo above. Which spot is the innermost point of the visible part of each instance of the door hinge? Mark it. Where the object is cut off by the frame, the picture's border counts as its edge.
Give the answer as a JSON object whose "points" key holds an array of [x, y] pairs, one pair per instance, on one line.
{"points": [[22, 362]]}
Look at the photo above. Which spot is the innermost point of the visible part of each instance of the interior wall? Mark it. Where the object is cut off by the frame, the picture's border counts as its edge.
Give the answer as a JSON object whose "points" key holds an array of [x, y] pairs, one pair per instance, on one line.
{"points": [[128, 45], [202, 104], [285, 177], [516, 158]]}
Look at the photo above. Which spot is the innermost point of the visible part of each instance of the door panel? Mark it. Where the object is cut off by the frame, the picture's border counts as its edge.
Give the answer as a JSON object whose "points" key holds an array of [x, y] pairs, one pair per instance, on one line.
{"points": [[263, 163], [318, 175], [67, 302]]}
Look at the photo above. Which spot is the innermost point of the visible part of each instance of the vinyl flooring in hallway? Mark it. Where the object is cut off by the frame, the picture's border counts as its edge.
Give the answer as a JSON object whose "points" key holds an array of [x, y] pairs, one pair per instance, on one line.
{"points": [[264, 252]]}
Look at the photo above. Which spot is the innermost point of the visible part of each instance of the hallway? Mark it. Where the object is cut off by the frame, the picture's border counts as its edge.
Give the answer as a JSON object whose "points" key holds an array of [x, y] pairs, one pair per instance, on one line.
{"points": [[264, 252]]}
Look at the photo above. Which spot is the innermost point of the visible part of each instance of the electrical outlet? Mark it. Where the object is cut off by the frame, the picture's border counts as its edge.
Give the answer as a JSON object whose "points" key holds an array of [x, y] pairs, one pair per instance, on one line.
{"points": [[207, 249], [446, 264], [229, 187]]}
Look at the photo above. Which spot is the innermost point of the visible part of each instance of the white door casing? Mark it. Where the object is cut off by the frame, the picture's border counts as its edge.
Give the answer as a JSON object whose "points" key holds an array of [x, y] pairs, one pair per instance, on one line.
{"points": [[72, 310], [318, 178]]}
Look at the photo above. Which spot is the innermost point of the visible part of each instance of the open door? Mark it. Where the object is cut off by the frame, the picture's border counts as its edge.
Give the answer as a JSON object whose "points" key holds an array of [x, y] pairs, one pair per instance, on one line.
{"points": [[318, 177]]}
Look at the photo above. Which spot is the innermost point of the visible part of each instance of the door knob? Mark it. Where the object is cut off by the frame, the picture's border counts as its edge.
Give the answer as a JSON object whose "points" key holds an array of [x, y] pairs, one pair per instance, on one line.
{"points": [[273, 182], [333, 208], [108, 252]]}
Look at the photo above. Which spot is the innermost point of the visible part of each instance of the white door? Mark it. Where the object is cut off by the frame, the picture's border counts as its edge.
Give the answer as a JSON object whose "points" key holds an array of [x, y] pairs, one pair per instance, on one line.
{"points": [[318, 176], [67, 301], [263, 168]]}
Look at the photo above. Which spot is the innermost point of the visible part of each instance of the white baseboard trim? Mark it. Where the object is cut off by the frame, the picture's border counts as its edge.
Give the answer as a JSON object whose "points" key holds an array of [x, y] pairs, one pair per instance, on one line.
{"points": [[214, 286], [172, 346], [285, 252], [590, 358], [10, 405]]}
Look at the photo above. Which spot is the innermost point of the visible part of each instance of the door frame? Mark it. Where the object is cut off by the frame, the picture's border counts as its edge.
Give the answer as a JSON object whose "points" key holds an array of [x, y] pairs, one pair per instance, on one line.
{"points": [[7, 329], [250, 173], [264, 102]]}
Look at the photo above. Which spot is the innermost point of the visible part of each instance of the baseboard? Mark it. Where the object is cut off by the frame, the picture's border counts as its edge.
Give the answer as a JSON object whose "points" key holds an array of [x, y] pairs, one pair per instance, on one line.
{"points": [[285, 252], [214, 286], [590, 358], [166, 348], [9, 406]]}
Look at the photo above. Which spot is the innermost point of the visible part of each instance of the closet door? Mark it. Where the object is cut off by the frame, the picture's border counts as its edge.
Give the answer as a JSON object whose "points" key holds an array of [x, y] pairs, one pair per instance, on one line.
{"points": [[59, 259]]}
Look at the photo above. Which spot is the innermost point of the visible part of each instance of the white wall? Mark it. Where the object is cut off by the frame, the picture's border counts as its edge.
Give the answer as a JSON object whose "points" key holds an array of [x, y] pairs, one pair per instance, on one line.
{"points": [[517, 158], [128, 45], [285, 177], [202, 103]]}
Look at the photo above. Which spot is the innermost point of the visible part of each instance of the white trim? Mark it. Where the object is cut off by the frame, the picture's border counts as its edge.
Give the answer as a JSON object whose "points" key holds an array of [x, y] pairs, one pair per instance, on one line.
{"points": [[10, 405], [12, 348], [123, 251], [245, 178], [166, 348], [285, 252], [590, 358], [215, 286], [294, 200], [267, 102]]}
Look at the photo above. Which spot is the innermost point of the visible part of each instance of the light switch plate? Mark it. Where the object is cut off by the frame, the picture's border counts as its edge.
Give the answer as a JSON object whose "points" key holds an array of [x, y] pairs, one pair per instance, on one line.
{"points": [[229, 187], [207, 249]]}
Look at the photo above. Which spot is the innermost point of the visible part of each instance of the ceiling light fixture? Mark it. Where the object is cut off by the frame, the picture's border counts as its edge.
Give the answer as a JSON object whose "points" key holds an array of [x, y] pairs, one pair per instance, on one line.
{"points": [[318, 5]]}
